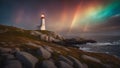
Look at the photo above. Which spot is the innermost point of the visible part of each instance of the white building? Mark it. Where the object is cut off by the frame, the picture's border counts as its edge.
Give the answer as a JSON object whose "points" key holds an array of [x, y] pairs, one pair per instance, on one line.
{"points": [[42, 25]]}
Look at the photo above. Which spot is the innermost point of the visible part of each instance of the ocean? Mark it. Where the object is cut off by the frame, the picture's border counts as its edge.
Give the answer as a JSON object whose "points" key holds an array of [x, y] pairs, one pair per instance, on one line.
{"points": [[112, 48], [109, 44]]}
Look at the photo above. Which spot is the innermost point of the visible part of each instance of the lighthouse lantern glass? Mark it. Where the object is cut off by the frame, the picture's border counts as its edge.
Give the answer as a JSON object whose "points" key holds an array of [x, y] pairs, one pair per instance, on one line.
{"points": [[42, 15]]}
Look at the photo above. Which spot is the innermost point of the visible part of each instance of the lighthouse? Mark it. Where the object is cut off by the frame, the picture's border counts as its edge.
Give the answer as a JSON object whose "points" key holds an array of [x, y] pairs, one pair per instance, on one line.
{"points": [[42, 24]]}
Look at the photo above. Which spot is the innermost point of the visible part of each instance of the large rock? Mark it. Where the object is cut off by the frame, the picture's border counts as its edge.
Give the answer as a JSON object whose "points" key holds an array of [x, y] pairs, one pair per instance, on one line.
{"points": [[40, 35], [48, 36], [84, 65], [91, 58], [63, 64], [12, 64], [5, 50], [3, 30], [32, 44], [65, 60], [52, 39], [44, 53], [3, 43], [27, 59], [15, 50], [57, 36], [9, 56], [44, 37], [48, 49], [48, 64], [36, 33], [77, 63]]}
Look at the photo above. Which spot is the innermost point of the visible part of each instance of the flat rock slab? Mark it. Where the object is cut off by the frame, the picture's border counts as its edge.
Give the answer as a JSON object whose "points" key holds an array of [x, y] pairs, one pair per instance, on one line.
{"points": [[48, 64], [91, 58], [63, 64], [44, 53], [35, 33], [77, 63], [65, 60], [9, 56], [12, 64], [27, 59], [5, 50], [32, 44], [84, 66], [48, 49]]}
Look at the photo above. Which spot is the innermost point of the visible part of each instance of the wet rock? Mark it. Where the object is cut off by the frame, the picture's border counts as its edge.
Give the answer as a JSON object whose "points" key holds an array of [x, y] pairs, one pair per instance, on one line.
{"points": [[48, 64], [44, 53], [12, 64], [90, 58], [77, 63], [65, 60], [63, 64], [27, 59]]}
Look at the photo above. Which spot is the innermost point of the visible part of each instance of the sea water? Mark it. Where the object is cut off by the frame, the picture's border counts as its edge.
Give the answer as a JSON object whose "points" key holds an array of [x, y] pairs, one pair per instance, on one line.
{"points": [[112, 48]]}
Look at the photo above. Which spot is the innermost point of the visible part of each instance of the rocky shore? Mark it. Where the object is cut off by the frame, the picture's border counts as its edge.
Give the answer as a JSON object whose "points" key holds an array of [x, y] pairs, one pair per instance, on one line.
{"points": [[37, 49]]}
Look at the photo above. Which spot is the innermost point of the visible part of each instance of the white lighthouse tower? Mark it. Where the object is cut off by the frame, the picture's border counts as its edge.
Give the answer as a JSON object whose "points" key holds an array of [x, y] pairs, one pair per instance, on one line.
{"points": [[42, 25]]}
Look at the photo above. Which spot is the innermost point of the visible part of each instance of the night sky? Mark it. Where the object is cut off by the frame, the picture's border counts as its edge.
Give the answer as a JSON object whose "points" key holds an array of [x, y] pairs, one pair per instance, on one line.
{"points": [[64, 16]]}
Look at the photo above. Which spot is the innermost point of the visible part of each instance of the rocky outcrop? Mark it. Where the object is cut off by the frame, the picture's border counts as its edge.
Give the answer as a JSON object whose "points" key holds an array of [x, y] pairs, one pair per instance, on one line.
{"points": [[74, 41], [22, 51], [47, 36], [48, 64], [44, 53], [27, 59]]}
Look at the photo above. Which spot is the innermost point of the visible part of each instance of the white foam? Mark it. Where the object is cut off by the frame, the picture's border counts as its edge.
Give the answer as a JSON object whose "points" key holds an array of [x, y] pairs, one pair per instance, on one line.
{"points": [[85, 49], [99, 44]]}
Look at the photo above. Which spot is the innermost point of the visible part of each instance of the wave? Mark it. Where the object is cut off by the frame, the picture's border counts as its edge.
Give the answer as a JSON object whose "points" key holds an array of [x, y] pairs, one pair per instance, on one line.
{"points": [[99, 44], [105, 43]]}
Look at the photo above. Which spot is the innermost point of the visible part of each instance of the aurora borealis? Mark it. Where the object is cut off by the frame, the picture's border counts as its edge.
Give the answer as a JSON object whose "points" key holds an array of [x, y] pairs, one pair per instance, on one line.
{"points": [[64, 16], [94, 12]]}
